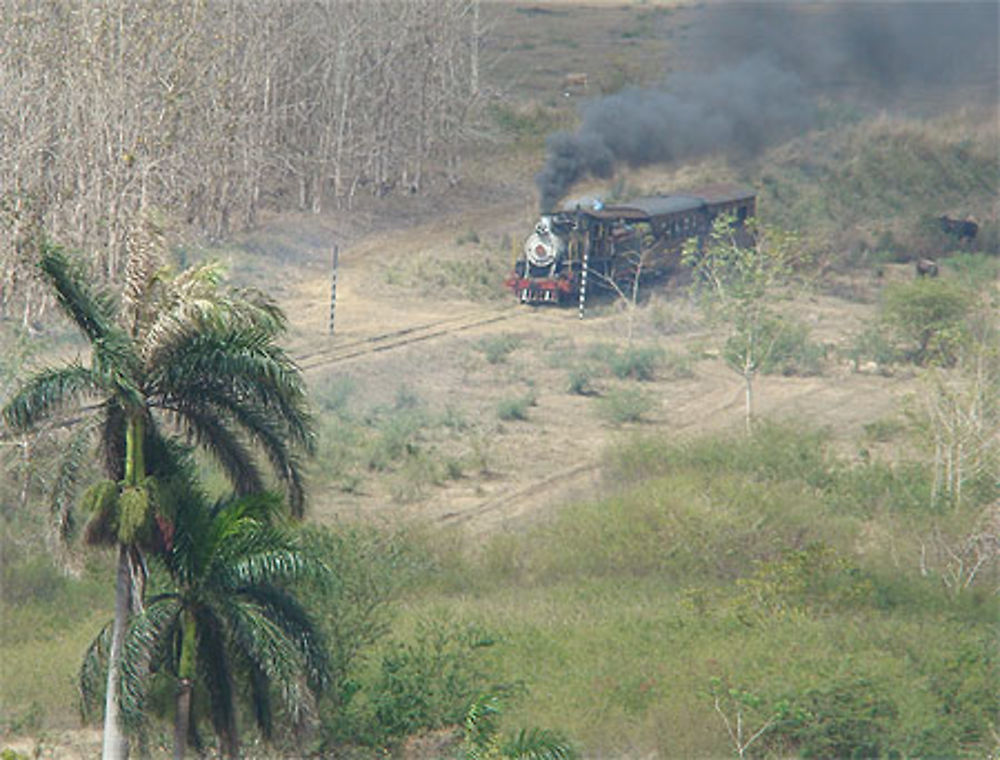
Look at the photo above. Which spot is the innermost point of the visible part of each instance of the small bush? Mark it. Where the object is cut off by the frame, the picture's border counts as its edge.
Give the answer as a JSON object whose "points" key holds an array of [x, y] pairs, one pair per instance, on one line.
{"points": [[929, 316], [429, 682], [510, 409], [469, 236], [334, 394], [873, 345], [636, 363], [580, 382], [625, 405], [791, 351], [496, 348]]}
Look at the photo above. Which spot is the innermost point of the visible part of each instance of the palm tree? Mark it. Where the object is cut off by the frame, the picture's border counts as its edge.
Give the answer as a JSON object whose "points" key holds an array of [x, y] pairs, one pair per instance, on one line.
{"points": [[227, 614], [176, 353]]}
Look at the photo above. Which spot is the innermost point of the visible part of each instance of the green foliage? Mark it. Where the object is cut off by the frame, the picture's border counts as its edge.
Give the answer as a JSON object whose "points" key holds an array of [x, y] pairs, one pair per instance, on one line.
{"points": [[224, 610], [622, 405], [974, 271], [637, 363], [580, 382], [872, 344], [786, 349], [482, 740], [525, 124], [497, 348], [368, 569], [469, 236], [738, 273], [811, 580], [515, 408], [928, 315], [428, 682]]}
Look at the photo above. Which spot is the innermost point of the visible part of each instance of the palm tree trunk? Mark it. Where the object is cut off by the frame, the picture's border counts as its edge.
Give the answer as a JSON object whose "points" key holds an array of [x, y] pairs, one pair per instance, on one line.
{"points": [[182, 717], [115, 746], [185, 673], [115, 742]]}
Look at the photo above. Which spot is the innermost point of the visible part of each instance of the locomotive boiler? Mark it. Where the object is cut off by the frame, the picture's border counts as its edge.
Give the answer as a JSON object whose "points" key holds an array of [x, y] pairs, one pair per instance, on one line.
{"points": [[608, 243]]}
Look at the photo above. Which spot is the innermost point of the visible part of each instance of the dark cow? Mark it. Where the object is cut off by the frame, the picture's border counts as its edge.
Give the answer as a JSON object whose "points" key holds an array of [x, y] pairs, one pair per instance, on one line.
{"points": [[927, 268], [963, 229]]}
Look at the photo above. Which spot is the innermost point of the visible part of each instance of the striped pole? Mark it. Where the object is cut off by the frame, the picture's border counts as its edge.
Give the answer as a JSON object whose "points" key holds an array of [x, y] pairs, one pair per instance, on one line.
{"points": [[583, 277], [333, 286]]}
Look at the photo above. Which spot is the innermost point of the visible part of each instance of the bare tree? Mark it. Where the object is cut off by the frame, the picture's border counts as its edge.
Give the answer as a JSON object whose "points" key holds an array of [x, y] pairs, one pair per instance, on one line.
{"points": [[210, 111]]}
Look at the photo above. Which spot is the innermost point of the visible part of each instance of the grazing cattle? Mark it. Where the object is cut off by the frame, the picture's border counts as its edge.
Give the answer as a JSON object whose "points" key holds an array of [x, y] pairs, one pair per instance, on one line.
{"points": [[963, 229], [927, 268]]}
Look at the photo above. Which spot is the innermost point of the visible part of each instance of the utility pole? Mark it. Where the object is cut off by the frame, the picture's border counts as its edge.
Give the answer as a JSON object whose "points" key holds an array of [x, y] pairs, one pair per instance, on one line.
{"points": [[333, 286]]}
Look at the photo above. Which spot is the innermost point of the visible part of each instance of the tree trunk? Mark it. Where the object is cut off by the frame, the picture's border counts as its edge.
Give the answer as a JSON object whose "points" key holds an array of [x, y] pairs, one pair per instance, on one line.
{"points": [[185, 673], [748, 379], [115, 742], [182, 717]]}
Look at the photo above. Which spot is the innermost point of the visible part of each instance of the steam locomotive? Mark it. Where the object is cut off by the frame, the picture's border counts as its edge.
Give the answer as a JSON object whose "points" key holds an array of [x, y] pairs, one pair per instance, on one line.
{"points": [[609, 243]]}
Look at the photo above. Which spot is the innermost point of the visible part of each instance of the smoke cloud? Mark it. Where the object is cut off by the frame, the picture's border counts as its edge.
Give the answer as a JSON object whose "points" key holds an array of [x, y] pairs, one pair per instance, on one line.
{"points": [[754, 74], [739, 110]]}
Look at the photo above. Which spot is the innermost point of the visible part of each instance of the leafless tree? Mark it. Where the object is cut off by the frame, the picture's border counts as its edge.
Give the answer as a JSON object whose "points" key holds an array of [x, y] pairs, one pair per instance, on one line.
{"points": [[211, 111]]}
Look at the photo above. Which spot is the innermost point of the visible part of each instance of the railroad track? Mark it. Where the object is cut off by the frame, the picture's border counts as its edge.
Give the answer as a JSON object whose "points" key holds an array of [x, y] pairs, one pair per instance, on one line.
{"points": [[399, 338]]}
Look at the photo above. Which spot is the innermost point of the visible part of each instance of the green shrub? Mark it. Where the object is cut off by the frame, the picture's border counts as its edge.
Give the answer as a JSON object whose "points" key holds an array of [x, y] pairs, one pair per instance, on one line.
{"points": [[469, 236], [515, 408], [334, 394], [848, 717], [791, 351], [636, 363], [625, 405], [929, 316], [580, 382], [872, 344], [369, 569], [496, 348], [429, 682]]}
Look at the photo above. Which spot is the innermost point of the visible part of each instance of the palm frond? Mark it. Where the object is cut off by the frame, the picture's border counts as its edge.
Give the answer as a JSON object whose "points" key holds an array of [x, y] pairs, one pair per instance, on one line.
{"points": [[260, 701], [92, 312], [117, 367], [538, 744], [147, 642], [195, 304], [262, 641], [93, 675], [241, 364], [211, 432], [46, 393], [282, 607], [68, 480]]}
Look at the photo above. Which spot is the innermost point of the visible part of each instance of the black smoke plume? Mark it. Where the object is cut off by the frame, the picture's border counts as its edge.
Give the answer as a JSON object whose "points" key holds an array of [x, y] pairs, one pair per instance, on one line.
{"points": [[754, 75], [740, 110]]}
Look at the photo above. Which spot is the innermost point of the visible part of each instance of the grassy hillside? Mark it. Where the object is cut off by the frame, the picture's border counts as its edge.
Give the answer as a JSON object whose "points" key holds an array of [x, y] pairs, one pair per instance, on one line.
{"points": [[877, 181], [767, 573]]}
